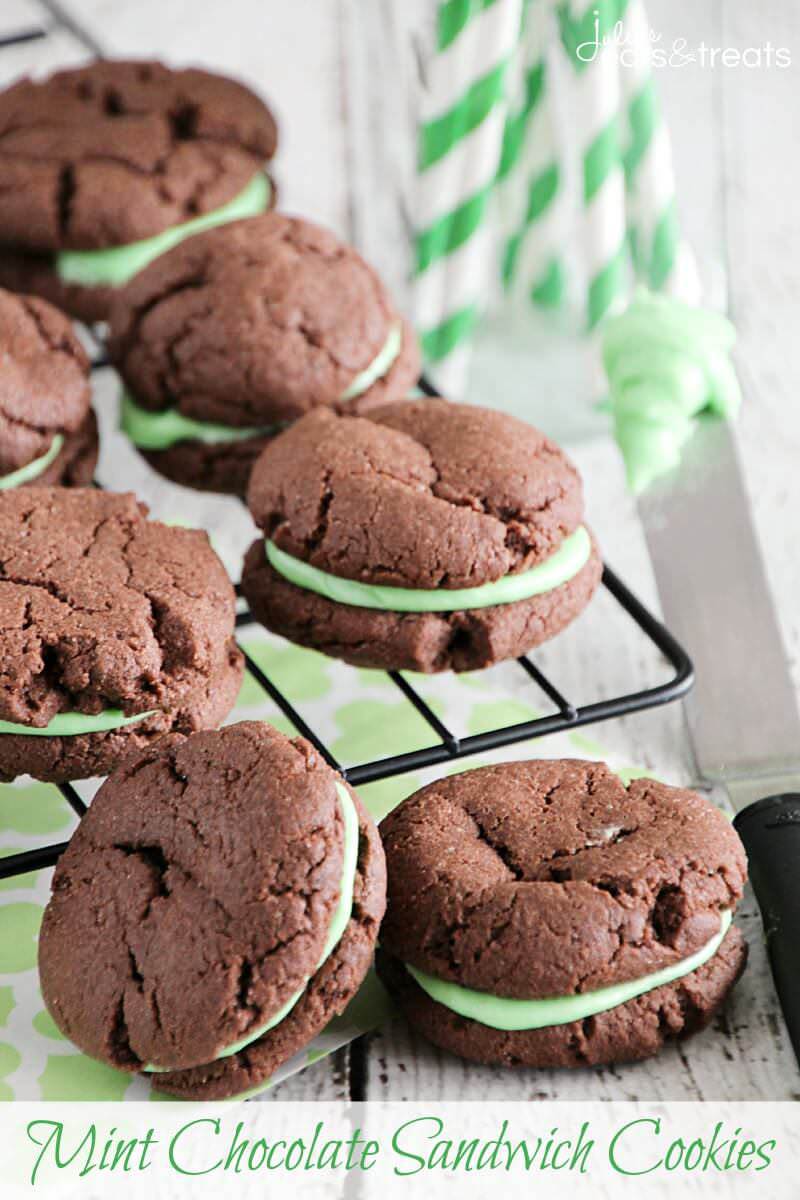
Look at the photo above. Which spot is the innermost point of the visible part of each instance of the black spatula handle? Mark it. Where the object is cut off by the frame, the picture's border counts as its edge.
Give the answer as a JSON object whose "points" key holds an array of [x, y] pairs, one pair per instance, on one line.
{"points": [[770, 830]]}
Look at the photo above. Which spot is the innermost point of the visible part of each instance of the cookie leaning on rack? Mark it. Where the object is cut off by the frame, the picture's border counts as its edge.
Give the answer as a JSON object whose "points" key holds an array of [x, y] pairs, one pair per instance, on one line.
{"points": [[116, 629]]}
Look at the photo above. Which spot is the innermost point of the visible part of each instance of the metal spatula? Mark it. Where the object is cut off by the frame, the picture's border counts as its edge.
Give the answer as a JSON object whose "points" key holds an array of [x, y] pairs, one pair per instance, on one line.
{"points": [[742, 715]]}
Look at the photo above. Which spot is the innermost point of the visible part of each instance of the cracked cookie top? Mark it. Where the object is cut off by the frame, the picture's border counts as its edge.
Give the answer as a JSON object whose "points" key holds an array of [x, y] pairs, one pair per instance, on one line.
{"points": [[538, 879], [257, 322], [100, 607], [422, 493], [44, 379], [114, 152], [195, 895]]}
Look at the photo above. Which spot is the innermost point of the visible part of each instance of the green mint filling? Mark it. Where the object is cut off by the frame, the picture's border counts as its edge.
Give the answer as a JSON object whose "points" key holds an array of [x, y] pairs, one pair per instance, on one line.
{"points": [[510, 1015], [570, 558], [379, 365], [338, 924], [72, 724], [160, 430], [114, 266], [33, 470]]}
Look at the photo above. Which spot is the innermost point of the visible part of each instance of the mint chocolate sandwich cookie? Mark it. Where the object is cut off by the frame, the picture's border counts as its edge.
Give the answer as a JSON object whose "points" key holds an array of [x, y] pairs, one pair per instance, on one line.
{"points": [[240, 331], [543, 914], [48, 431], [242, 886], [107, 166], [427, 536], [116, 630]]}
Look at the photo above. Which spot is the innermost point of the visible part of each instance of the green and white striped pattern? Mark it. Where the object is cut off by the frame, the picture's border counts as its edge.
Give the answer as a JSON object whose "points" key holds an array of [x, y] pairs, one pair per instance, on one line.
{"points": [[596, 109], [662, 260], [530, 176], [521, 108], [460, 145]]}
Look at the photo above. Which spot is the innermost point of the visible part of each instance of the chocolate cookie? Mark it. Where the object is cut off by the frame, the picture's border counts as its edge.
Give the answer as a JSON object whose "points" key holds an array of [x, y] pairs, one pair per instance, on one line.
{"points": [[48, 431], [424, 537], [223, 893], [116, 629], [107, 165], [543, 914], [242, 330]]}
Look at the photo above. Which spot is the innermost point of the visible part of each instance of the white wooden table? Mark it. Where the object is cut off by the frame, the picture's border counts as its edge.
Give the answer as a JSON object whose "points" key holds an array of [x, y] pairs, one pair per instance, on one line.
{"points": [[344, 156]]}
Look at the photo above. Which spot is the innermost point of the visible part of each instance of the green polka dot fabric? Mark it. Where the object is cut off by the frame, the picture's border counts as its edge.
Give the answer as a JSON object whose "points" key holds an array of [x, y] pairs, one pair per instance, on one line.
{"points": [[361, 716]]}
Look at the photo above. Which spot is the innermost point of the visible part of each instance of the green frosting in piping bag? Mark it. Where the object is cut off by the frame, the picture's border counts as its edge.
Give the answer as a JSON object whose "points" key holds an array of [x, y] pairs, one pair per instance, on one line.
{"points": [[339, 922], [667, 362], [33, 470], [507, 1013], [72, 724], [116, 265], [571, 556]]}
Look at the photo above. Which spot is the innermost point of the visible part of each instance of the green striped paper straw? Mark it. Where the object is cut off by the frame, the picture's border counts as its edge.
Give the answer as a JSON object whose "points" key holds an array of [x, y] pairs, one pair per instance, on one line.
{"points": [[661, 258], [459, 149], [595, 114], [523, 99], [531, 177]]}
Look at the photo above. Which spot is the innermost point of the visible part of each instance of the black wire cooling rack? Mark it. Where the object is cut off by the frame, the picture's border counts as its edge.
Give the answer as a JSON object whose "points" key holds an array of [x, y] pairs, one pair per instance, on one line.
{"points": [[568, 713], [448, 747]]}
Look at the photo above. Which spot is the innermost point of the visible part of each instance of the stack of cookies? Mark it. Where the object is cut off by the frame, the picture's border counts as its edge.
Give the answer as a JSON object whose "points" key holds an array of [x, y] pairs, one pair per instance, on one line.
{"points": [[241, 330], [48, 430], [107, 166], [226, 889]]}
